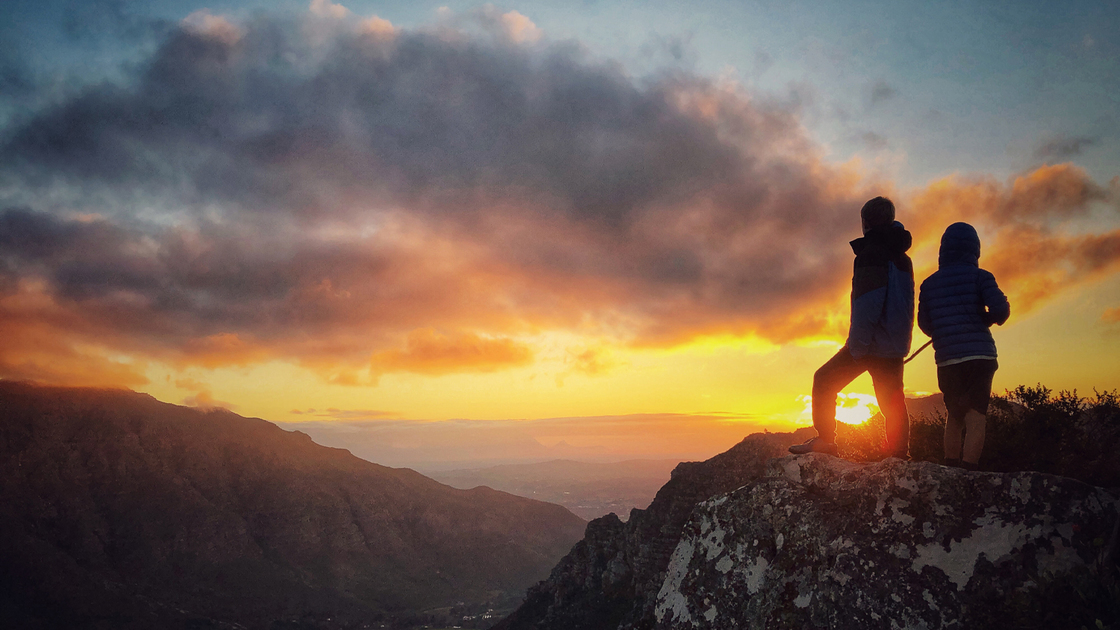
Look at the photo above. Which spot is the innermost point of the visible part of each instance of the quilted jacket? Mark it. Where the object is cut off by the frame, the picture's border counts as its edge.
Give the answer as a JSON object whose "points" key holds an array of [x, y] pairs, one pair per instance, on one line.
{"points": [[958, 303], [882, 294]]}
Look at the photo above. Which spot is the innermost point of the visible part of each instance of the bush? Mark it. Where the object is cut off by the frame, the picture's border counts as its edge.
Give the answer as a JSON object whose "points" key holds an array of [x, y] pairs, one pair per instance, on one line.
{"points": [[1028, 428]]}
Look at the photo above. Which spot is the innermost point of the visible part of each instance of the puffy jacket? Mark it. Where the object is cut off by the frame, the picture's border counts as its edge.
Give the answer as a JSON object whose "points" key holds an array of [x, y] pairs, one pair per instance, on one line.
{"points": [[958, 303], [882, 293]]}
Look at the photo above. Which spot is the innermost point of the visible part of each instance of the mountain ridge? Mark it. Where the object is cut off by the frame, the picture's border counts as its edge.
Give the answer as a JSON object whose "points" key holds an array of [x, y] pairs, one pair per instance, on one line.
{"points": [[117, 508]]}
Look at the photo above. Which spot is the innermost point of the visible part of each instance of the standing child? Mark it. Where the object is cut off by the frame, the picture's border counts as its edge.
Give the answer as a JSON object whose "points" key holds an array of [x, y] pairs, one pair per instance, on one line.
{"points": [[956, 306]]}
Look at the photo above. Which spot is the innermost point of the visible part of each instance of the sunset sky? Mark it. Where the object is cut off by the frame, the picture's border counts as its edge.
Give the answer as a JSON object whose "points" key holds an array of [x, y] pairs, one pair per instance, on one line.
{"points": [[600, 229]]}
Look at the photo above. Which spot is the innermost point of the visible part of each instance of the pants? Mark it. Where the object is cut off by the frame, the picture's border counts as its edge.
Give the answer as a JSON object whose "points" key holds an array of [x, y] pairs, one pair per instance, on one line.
{"points": [[967, 385], [886, 375]]}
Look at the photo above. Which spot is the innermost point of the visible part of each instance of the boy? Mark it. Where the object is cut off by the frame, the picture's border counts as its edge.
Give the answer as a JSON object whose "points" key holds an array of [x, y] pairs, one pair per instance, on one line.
{"points": [[956, 306], [879, 336]]}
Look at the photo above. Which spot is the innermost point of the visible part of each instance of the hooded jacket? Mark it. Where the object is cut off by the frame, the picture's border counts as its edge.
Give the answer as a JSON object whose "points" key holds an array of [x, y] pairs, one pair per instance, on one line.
{"points": [[882, 293], [958, 303]]}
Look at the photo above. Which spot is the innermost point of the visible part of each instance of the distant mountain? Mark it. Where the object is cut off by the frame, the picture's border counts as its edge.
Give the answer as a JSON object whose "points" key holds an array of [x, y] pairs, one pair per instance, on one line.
{"points": [[590, 490], [926, 406], [119, 511]]}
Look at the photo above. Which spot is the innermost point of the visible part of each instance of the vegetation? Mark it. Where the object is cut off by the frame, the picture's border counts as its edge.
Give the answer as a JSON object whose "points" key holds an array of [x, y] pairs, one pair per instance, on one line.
{"points": [[1028, 428]]}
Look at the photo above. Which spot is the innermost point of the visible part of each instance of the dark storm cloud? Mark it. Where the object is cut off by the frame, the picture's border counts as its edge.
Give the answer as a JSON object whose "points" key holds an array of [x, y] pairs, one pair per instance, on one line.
{"points": [[256, 122]]}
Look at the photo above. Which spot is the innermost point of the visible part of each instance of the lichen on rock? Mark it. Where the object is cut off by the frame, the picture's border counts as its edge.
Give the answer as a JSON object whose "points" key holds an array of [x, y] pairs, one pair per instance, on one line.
{"points": [[823, 542]]}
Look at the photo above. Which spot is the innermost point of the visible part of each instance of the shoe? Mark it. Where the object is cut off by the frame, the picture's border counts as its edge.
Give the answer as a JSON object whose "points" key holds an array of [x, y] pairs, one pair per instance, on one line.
{"points": [[814, 445], [903, 456], [969, 466], [951, 462]]}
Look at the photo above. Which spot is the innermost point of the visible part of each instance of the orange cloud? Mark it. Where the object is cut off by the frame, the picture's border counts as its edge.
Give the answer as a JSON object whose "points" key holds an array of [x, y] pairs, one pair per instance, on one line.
{"points": [[222, 349], [429, 352], [41, 343], [1028, 227]]}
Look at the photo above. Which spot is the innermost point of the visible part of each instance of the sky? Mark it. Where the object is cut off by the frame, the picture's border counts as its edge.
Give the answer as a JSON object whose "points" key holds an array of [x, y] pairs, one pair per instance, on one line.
{"points": [[597, 229]]}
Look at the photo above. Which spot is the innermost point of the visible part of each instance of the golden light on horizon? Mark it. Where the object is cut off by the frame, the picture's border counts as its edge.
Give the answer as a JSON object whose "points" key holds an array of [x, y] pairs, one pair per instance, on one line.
{"points": [[850, 408]]}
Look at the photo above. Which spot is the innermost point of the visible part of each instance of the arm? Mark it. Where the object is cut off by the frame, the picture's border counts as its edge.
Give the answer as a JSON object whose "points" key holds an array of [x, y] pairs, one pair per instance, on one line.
{"points": [[869, 292], [995, 302], [924, 322]]}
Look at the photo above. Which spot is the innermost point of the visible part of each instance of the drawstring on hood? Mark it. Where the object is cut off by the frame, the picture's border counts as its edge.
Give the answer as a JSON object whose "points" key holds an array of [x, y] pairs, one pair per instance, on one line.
{"points": [[960, 245]]}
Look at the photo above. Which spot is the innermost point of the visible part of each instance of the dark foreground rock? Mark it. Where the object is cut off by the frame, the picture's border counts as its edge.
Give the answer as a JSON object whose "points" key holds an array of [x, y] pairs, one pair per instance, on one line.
{"points": [[611, 578], [825, 543], [118, 511]]}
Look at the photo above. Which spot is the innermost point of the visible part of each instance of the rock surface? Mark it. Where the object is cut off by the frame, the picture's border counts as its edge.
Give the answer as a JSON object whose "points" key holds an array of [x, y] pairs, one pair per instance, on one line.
{"points": [[611, 578], [119, 511], [825, 543]]}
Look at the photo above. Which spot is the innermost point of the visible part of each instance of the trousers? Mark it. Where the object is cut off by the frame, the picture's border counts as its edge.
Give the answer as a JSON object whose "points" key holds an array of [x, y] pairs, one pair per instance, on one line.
{"points": [[886, 376]]}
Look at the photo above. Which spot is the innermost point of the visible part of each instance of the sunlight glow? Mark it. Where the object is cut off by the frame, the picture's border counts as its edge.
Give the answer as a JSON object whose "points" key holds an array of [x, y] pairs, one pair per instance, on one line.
{"points": [[850, 408]]}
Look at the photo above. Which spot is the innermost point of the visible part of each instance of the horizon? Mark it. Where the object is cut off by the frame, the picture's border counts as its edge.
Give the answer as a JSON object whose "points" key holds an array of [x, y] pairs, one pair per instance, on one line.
{"points": [[592, 228]]}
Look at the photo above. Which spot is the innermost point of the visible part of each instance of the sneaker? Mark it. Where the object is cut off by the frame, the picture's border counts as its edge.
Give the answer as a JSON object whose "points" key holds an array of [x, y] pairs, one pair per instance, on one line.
{"points": [[814, 445]]}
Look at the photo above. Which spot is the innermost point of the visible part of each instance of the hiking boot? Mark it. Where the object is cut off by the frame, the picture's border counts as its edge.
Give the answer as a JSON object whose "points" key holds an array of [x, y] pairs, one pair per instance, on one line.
{"points": [[814, 445]]}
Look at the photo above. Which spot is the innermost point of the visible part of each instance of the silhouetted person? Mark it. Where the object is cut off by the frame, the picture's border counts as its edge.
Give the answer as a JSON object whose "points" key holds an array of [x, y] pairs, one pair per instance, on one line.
{"points": [[882, 322], [956, 306]]}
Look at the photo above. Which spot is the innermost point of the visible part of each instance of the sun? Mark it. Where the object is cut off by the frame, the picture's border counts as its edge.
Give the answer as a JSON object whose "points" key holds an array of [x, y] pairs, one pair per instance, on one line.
{"points": [[850, 408]]}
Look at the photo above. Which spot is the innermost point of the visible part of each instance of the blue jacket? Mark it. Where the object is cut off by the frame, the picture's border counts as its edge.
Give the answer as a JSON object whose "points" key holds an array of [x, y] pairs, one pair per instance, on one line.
{"points": [[960, 300], [882, 294]]}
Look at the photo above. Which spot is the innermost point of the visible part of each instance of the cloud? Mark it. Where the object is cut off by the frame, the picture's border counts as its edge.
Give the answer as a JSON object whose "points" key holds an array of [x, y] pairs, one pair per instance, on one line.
{"points": [[1028, 227], [589, 361], [362, 201], [427, 351], [326, 8], [348, 415], [881, 91], [874, 141], [202, 396], [1111, 316], [1063, 147]]}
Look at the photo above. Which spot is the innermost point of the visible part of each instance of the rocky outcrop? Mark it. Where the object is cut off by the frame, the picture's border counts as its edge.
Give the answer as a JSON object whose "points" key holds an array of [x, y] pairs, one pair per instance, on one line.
{"points": [[120, 511], [611, 578], [825, 543]]}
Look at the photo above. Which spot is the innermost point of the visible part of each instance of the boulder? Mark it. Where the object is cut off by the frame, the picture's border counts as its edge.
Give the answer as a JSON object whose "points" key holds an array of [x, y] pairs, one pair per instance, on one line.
{"points": [[821, 542], [610, 578]]}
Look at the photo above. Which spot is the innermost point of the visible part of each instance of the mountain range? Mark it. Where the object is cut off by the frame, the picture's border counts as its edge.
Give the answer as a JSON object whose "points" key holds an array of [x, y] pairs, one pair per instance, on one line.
{"points": [[119, 511], [588, 489]]}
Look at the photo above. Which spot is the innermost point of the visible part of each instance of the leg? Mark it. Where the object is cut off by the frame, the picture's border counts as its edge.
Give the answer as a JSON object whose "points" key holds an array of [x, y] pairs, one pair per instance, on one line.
{"points": [[886, 375], [953, 381], [832, 377], [974, 423], [954, 428]]}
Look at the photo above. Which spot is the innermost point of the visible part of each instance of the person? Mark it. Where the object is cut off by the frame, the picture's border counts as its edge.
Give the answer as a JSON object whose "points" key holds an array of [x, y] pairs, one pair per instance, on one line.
{"points": [[956, 307], [882, 322]]}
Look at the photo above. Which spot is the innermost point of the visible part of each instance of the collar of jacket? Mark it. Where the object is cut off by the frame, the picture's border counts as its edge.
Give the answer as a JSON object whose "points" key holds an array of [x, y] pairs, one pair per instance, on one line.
{"points": [[894, 237]]}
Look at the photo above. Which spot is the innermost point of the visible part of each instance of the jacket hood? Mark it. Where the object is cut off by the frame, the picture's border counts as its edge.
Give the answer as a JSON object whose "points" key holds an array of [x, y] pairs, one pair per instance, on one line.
{"points": [[894, 237], [959, 245]]}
